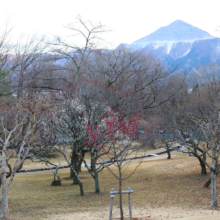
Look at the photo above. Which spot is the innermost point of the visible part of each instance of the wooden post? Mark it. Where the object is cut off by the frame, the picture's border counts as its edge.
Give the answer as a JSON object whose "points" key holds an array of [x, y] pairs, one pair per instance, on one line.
{"points": [[112, 195], [111, 204], [129, 202]]}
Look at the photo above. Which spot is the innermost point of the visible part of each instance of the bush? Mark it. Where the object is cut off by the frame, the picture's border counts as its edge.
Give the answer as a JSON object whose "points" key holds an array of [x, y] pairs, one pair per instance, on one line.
{"points": [[56, 183]]}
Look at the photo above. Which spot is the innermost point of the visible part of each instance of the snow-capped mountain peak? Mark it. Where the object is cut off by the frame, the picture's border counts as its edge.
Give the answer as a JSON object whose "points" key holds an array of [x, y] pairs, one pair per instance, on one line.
{"points": [[175, 40], [178, 31], [180, 44]]}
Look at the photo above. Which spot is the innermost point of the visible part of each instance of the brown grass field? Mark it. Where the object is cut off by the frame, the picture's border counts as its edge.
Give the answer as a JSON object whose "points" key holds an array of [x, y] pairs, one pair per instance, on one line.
{"points": [[162, 189]]}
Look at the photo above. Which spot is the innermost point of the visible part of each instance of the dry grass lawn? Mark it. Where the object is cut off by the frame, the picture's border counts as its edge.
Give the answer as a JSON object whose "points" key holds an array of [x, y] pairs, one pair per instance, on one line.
{"points": [[158, 184]]}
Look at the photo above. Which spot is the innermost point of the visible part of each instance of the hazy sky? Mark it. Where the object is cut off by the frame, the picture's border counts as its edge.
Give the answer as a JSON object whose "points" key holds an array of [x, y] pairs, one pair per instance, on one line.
{"points": [[129, 20]]}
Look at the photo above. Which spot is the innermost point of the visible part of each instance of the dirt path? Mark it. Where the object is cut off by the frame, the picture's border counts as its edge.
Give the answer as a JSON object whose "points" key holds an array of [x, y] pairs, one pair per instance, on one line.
{"points": [[145, 214], [162, 156], [39, 172]]}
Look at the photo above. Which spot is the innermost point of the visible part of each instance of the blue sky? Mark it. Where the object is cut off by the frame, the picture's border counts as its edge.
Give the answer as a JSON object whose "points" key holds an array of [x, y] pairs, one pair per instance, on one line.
{"points": [[129, 20]]}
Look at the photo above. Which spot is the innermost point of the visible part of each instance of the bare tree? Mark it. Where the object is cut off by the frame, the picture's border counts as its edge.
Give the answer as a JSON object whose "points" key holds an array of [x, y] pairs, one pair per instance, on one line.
{"points": [[203, 130], [18, 122], [121, 153], [26, 56], [76, 49]]}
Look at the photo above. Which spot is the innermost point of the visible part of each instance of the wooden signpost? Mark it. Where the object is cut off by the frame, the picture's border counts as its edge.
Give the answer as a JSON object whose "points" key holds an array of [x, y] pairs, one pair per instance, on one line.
{"points": [[112, 195]]}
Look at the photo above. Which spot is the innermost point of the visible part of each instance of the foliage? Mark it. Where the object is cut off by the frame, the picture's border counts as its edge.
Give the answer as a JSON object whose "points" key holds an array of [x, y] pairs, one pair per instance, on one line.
{"points": [[114, 127]]}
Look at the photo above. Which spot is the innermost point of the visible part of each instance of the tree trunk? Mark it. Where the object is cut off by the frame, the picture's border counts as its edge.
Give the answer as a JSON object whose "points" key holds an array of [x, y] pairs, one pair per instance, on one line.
{"points": [[74, 163], [71, 173], [75, 179], [79, 181], [203, 166], [81, 160], [120, 195], [7, 175], [168, 153], [203, 169], [74, 158], [208, 182], [93, 169], [4, 205], [213, 189], [92, 161], [81, 188], [97, 189]]}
